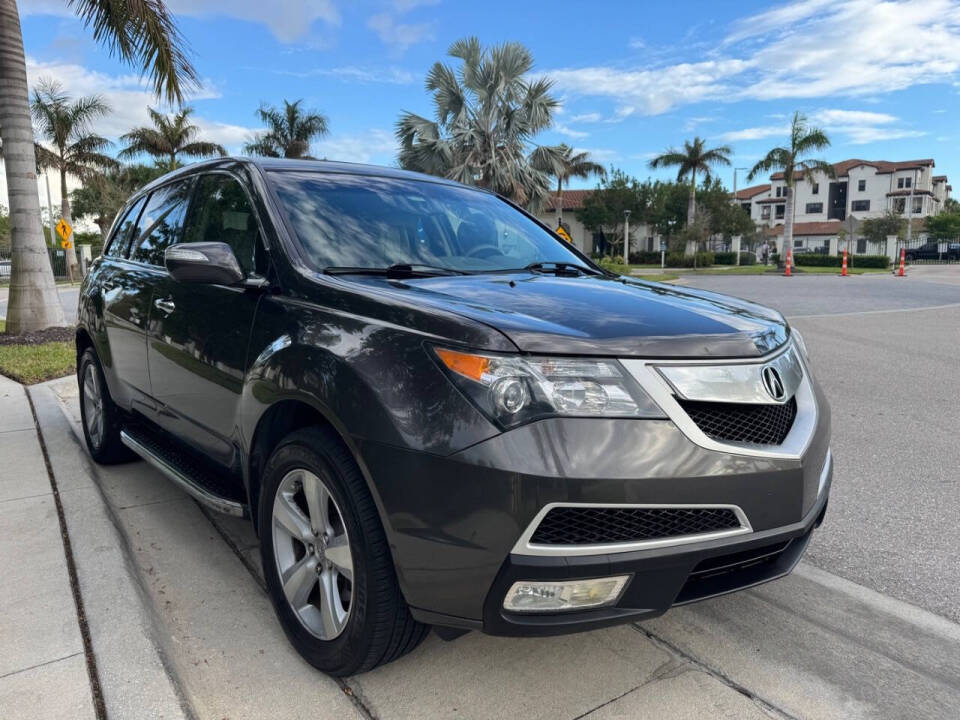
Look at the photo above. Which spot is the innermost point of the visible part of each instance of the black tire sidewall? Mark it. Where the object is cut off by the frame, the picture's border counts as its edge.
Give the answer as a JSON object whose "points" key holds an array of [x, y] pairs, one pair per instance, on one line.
{"points": [[346, 652], [110, 449]]}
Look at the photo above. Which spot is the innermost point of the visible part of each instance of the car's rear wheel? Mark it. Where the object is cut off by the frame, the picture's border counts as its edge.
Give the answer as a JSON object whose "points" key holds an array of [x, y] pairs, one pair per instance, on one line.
{"points": [[326, 560], [101, 418]]}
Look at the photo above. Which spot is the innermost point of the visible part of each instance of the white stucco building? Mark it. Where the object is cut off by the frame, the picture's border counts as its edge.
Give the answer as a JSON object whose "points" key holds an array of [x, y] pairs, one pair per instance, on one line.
{"points": [[641, 236], [861, 189]]}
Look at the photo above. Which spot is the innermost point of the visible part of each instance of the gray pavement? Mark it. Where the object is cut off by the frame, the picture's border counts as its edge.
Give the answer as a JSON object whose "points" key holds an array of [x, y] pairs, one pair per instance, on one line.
{"points": [[68, 298], [891, 369]]}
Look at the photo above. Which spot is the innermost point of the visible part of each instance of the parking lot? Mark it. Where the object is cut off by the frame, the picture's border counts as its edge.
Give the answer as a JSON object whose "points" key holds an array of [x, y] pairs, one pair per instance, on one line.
{"points": [[864, 628]]}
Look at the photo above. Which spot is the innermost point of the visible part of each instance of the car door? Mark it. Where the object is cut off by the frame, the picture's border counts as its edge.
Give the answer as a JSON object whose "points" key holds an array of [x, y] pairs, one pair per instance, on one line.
{"points": [[198, 334]]}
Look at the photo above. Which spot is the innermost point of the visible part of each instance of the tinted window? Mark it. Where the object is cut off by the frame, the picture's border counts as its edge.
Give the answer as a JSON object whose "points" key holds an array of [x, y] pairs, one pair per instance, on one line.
{"points": [[350, 220], [125, 228], [161, 222], [221, 212]]}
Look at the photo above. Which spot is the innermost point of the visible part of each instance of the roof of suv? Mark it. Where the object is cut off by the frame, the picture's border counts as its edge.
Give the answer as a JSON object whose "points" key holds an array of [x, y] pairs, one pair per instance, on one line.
{"points": [[321, 166]]}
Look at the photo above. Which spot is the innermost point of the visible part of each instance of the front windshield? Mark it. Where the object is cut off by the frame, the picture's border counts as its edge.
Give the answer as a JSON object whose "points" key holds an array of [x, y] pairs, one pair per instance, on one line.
{"points": [[375, 222]]}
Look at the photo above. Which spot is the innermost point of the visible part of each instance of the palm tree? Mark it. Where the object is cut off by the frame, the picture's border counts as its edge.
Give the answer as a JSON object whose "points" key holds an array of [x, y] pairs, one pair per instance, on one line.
{"points": [[790, 160], [170, 136], [289, 131], [692, 159], [102, 195], [141, 33], [565, 164], [487, 114], [65, 124]]}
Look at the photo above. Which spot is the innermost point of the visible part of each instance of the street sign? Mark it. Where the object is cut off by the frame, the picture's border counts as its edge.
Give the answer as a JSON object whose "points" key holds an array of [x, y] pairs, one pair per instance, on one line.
{"points": [[66, 244], [64, 230], [561, 231]]}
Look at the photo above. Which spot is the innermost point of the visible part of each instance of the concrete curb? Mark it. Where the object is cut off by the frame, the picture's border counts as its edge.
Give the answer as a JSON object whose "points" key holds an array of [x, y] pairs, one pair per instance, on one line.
{"points": [[134, 677]]}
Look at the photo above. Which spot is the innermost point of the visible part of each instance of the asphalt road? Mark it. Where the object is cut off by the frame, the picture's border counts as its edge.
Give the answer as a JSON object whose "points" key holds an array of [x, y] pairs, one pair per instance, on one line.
{"points": [[886, 351]]}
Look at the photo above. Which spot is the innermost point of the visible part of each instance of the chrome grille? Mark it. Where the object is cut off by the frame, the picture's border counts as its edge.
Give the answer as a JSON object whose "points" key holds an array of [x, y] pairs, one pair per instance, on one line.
{"points": [[767, 424]]}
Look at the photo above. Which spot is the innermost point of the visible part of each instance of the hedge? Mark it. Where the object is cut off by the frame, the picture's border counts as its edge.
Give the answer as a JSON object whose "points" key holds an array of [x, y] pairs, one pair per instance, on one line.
{"points": [[704, 259], [730, 258], [645, 257], [864, 261]]}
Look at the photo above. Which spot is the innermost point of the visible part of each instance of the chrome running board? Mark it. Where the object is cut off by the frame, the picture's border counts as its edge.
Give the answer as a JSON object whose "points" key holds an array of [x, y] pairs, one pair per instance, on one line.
{"points": [[181, 476]]}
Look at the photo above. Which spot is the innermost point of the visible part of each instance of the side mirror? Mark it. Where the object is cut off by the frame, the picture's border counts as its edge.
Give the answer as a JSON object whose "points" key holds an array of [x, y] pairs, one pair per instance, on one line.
{"points": [[212, 263]]}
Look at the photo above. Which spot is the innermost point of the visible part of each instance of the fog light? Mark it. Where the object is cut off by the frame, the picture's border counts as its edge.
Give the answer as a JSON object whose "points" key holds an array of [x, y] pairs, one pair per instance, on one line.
{"points": [[558, 596]]}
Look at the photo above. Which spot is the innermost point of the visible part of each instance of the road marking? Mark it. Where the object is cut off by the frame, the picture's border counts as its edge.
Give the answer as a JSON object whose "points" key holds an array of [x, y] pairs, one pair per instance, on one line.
{"points": [[873, 312]]}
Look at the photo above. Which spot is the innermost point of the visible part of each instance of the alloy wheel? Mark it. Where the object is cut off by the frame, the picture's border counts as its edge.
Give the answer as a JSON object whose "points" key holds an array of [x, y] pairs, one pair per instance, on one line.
{"points": [[93, 405], [312, 552]]}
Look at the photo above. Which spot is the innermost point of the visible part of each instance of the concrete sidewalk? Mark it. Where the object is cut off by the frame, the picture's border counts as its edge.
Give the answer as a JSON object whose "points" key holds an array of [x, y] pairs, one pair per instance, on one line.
{"points": [[43, 670]]}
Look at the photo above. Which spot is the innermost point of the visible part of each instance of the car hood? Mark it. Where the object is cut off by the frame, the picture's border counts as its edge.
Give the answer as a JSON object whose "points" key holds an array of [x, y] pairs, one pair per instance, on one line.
{"points": [[598, 315]]}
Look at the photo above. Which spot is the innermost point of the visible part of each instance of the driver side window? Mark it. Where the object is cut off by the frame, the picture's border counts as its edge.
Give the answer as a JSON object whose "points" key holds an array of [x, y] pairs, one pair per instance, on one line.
{"points": [[221, 212]]}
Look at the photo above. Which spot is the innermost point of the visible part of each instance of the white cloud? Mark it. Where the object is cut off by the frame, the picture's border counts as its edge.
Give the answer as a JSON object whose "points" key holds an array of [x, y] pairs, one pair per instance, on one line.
{"points": [[637, 43], [755, 133], [288, 20], [353, 73], [805, 49], [857, 117], [400, 36], [600, 155], [856, 127], [591, 117], [371, 146], [569, 131]]}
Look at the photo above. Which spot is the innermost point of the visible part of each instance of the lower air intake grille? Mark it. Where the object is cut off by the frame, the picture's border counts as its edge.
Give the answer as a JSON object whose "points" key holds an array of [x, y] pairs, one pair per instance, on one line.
{"points": [[738, 422], [602, 525]]}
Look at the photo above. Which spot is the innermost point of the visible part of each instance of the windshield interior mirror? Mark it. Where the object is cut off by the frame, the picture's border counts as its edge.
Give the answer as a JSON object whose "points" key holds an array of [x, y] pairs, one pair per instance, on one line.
{"points": [[213, 263]]}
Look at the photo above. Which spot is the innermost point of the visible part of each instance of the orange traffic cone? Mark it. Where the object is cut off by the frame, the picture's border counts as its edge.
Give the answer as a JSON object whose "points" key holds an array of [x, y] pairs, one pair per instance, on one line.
{"points": [[903, 252], [843, 272], [789, 262]]}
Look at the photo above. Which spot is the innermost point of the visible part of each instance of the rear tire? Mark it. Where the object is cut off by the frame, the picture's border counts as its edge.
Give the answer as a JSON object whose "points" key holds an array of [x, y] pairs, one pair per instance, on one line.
{"points": [[345, 613], [101, 418]]}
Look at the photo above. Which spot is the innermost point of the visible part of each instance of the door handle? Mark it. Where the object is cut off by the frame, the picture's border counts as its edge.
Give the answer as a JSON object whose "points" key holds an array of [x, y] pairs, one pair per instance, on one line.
{"points": [[167, 306]]}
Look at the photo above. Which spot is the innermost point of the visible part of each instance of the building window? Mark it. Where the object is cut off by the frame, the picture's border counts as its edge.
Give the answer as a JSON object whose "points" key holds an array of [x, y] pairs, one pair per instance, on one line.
{"points": [[861, 185], [917, 205], [899, 205], [907, 182], [815, 190], [860, 205], [814, 208], [780, 212], [798, 243], [899, 183], [765, 212]]}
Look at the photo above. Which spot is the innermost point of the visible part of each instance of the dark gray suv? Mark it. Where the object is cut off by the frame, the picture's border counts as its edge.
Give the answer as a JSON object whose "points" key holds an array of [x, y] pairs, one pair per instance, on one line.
{"points": [[437, 413]]}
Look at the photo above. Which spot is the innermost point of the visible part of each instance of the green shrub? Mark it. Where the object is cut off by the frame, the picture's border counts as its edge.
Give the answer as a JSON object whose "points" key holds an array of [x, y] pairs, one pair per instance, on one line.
{"points": [[645, 257], [864, 261], [730, 258], [704, 259]]}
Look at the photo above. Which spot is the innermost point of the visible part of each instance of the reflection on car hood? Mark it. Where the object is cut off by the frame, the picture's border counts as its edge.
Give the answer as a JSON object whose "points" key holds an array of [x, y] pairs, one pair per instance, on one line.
{"points": [[599, 315]]}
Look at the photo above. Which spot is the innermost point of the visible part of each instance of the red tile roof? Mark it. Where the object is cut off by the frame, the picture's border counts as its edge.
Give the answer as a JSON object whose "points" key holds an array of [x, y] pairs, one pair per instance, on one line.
{"points": [[572, 200], [830, 227], [767, 201], [939, 178], [750, 192], [896, 193], [883, 166]]}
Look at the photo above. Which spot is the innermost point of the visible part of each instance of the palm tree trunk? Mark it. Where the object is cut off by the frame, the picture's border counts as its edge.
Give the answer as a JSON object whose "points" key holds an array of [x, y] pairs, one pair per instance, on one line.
{"points": [[34, 303], [68, 216], [692, 204], [787, 224]]}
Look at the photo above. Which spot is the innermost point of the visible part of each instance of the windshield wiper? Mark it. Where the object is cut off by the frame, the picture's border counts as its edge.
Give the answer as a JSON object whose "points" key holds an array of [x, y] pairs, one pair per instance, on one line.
{"points": [[397, 270], [560, 268]]}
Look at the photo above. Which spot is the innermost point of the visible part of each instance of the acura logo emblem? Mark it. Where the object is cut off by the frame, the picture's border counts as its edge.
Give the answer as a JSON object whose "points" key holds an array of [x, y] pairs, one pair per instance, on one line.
{"points": [[773, 383]]}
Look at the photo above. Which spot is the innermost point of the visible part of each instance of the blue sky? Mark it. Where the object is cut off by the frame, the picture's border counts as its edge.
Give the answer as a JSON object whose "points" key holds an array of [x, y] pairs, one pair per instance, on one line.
{"points": [[634, 77]]}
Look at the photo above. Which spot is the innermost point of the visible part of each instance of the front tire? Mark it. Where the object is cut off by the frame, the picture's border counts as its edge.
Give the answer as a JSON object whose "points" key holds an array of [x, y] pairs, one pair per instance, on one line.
{"points": [[326, 560], [101, 418]]}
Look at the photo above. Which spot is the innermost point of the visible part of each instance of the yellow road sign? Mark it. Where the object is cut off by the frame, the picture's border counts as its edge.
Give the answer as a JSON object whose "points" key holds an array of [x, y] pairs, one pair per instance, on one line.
{"points": [[64, 230], [561, 231], [66, 244]]}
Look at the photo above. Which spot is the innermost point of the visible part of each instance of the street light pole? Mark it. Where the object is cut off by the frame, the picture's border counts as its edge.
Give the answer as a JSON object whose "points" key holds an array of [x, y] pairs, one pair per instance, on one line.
{"points": [[626, 237]]}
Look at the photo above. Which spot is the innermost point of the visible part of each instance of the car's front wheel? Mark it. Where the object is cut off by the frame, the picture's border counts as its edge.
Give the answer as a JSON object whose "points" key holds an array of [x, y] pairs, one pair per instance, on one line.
{"points": [[326, 560]]}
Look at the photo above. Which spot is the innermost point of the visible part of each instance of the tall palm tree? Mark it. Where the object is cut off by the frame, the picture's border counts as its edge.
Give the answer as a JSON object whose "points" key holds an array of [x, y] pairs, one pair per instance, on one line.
{"points": [[564, 164], [141, 33], [692, 159], [487, 114], [791, 161], [170, 136], [65, 125], [289, 132]]}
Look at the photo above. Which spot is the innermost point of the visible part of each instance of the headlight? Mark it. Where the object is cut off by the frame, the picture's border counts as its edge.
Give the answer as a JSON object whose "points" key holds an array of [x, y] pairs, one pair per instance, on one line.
{"points": [[512, 389]]}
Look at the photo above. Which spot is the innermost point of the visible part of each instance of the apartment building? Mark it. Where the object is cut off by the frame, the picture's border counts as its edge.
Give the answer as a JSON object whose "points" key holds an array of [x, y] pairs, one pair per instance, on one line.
{"points": [[860, 189]]}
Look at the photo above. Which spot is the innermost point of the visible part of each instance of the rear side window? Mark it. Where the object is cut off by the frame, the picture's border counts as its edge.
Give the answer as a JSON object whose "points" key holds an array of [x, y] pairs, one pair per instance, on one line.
{"points": [[221, 212], [125, 229], [161, 222]]}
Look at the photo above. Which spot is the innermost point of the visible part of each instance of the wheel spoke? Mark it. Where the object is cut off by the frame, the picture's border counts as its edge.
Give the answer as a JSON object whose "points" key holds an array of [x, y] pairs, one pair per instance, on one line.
{"points": [[298, 581], [338, 552], [331, 610], [287, 515], [318, 503]]}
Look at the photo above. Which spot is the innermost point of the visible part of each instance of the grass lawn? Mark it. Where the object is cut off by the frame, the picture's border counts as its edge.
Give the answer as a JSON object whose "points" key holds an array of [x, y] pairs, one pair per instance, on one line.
{"points": [[32, 363]]}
